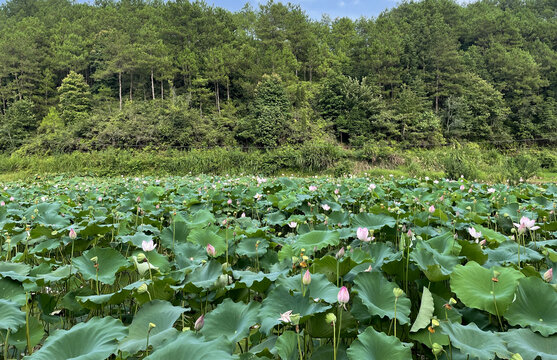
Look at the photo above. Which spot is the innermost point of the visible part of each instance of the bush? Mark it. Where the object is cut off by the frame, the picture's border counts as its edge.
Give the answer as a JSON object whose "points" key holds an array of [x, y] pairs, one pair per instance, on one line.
{"points": [[522, 167], [462, 161]]}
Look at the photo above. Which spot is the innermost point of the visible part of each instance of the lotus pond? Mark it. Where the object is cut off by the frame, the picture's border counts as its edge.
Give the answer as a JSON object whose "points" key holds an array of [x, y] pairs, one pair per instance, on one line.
{"points": [[279, 268]]}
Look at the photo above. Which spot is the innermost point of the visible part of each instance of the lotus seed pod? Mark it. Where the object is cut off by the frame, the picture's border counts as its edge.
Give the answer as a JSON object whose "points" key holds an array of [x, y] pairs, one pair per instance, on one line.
{"points": [[142, 288], [436, 348], [140, 257], [398, 292], [331, 318]]}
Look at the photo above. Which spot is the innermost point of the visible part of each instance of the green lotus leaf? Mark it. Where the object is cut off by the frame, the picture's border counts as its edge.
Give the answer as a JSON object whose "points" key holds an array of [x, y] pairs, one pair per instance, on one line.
{"points": [[203, 277], [231, 320], [478, 344], [252, 247], [189, 346], [315, 241], [48, 215], [200, 219], [96, 339], [159, 312], [203, 237], [137, 239], [15, 271], [287, 346], [507, 253], [474, 286], [529, 345], [376, 293], [280, 301], [259, 281], [36, 333], [13, 291], [425, 313], [175, 234], [373, 221], [326, 352], [319, 288], [109, 262], [327, 265], [63, 272], [535, 305], [189, 255], [10, 316], [491, 235], [373, 345]]}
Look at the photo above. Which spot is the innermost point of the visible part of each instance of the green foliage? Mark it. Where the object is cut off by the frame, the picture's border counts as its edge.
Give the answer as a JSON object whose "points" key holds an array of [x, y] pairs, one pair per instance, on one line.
{"points": [[75, 101], [17, 124]]}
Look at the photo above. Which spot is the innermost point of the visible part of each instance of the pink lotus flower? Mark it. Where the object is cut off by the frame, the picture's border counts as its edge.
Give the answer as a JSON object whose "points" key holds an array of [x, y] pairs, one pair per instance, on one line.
{"points": [[363, 234], [432, 209], [475, 234], [148, 245], [257, 196], [138, 199], [340, 253], [312, 188], [368, 269], [199, 323], [229, 201], [285, 317], [526, 223], [337, 191], [461, 187], [306, 280], [372, 187], [548, 275], [343, 296], [243, 215], [211, 250], [12, 198], [2, 203], [73, 234], [292, 224], [490, 190], [326, 207]]}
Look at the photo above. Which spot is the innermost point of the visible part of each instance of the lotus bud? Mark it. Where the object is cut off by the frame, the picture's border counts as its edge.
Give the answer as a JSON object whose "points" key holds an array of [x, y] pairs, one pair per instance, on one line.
{"points": [[398, 292], [140, 257], [340, 253], [306, 280], [73, 234], [199, 323], [211, 250], [142, 288], [548, 275], [151, 326], [343, 296], [436, 348], [331, 318]]}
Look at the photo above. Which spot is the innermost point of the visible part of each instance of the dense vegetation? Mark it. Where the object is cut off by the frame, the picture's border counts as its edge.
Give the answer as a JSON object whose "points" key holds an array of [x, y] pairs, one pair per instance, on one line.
{"points": [[277, 268], [130, 74]]}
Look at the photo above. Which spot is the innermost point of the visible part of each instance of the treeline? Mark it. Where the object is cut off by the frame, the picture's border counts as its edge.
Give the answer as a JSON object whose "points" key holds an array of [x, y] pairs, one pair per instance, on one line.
{"points": [[175, 74]]}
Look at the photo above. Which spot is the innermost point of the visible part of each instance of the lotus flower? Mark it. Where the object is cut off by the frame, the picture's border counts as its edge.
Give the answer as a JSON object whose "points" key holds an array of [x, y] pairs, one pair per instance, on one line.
{"points": [[343, 296], [73, 234], [148, 245], [526, 223], [490, 190], [340, 253], [199, 323], [2, 203], [372, 187], [229, 201], [432, 209], [337, 191], [363, 234], [326, 207], [475, 234], [306, 280], [12, 198], [292, 224], [462, 187], [312, 188], [211, 250], [548, 275], [285, 317]]}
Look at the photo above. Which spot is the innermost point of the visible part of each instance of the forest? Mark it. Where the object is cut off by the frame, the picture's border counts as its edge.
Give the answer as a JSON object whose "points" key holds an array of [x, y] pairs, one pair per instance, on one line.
{"points": [[182, 75]]}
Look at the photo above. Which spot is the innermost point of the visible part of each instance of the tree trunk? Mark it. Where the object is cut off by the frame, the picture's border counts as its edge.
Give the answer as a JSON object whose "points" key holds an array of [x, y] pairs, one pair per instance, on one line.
{"points": [[152, 84], [227, 89], [437, 92], [131, 86], [162, 90], [120, 88]]}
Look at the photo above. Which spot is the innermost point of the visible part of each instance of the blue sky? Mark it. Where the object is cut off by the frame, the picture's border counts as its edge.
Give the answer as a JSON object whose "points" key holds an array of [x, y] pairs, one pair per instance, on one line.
{"points": [[315, 8]]}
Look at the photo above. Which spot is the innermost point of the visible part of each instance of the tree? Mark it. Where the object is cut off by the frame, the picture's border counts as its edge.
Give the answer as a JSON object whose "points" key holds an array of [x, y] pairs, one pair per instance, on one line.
{"points": [[18, 123], [75, 98], [271, 113]]}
